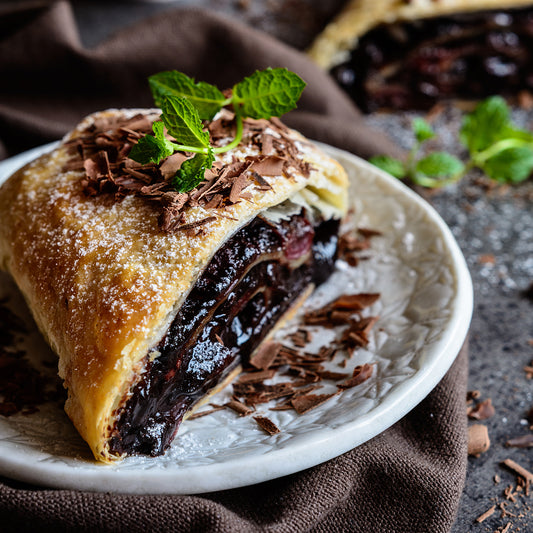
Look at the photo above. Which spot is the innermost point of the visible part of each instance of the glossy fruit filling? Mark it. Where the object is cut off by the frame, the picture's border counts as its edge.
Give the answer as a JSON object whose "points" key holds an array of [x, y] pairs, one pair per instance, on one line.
{"points": [[246, 288], [412, 65]]}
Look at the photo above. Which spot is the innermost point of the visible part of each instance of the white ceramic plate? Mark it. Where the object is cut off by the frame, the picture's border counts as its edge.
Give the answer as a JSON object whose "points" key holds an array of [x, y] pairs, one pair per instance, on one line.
{"points": [[425, 310]]}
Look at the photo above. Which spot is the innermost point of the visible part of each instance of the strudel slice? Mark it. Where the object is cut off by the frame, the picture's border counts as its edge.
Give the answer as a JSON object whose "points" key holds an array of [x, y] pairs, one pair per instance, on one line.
{"points": [[151, 298]]}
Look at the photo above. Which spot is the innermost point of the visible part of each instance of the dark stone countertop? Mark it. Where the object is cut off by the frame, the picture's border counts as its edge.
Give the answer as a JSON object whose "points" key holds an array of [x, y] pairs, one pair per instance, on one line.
{"points": [[493, 226]]}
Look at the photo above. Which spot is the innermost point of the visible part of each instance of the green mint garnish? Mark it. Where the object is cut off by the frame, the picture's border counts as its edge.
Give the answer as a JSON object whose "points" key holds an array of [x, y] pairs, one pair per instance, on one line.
{"points": [[152, 149], [183, 122], [206, 98], [192, 171], [185, 103], [495, 146], [267, 93]]}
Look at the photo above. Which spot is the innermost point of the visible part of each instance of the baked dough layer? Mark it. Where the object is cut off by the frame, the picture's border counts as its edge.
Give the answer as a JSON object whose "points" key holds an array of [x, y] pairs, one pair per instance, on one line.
{"points": [[104, 282]]}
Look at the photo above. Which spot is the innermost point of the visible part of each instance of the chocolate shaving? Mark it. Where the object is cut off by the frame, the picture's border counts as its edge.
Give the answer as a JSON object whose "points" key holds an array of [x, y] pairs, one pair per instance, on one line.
{"points": [[304, 403], [486, 514], [239, 407], [265, 355], [102, 151], [335, 376], [266, 425], [524, 441], [200, 414], [478, 440], [481, 411], [361, 373], [519, 470], [256, 377]]}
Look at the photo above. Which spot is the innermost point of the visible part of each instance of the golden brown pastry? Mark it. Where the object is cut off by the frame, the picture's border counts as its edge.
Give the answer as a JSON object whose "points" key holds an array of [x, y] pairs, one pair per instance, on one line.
{"points": [[428, 48], [150, 297]]}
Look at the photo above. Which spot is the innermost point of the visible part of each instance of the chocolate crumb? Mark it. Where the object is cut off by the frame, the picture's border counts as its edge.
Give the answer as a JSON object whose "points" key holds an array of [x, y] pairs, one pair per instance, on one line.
{"points": [[528, 293], [482, 410], [239, 407], [519, 470], [200, 414], [266, 425], [486, 514], [304, 403], [528, 369], [256, 377], [265, 355], [508, 493], [360, 374], [473, 395], [524, 441], [478, 440]]}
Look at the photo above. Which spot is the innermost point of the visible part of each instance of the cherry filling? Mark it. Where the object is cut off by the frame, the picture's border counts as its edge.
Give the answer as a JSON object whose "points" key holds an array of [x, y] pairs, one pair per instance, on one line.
{"points": [[248, 285], [411, 65]]}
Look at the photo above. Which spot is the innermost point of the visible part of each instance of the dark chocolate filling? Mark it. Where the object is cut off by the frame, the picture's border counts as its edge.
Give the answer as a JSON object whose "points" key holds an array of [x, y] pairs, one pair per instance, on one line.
{"points": [[412, 65], [248, 285]]}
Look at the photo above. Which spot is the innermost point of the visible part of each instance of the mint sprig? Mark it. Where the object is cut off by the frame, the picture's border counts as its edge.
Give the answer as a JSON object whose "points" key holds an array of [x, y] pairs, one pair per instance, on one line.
{"points": [[267, 93], [495, 146], [206, 98], [185, 104]]}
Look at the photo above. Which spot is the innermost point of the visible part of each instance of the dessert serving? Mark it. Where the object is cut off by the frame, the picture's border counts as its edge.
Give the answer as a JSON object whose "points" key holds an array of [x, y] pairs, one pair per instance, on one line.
{"points": [[396, 54], [156, 250]]}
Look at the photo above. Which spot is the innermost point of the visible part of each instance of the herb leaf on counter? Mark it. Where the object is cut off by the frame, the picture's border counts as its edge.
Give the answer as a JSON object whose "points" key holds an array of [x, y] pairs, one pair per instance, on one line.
{"points": [[495, 146], [391, 165], [422, 130]]}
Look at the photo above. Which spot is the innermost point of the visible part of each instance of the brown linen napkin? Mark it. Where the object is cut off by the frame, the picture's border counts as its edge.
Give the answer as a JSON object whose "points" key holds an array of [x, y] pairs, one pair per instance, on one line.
{"points": [[408, 479]]}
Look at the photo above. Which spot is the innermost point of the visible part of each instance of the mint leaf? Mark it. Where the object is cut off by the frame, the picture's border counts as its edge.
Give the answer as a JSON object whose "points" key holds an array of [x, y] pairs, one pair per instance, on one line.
{"points": [[206, 98], [439, 165], [487, 124], [183, 122], [514, 133], [192, 171], [389, 164], [512, 165], [422, 130], [267, 93], [159, 131], [152, 149]]}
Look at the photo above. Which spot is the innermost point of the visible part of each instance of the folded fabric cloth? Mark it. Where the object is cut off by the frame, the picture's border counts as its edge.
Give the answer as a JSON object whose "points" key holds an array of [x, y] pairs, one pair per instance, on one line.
{"points": [[409, 478]]}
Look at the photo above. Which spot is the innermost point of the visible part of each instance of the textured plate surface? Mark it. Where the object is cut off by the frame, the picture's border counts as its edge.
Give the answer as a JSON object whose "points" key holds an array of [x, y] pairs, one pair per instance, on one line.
{"points": [[424, 309]]}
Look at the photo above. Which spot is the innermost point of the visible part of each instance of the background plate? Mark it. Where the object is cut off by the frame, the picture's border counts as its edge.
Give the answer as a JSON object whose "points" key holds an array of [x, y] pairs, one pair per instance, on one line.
{"points": [[425, 310]]}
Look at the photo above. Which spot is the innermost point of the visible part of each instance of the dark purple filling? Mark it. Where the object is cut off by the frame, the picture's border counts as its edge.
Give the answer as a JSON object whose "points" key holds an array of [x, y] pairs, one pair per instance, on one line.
{"points": [[412, 65], [248, 285]]}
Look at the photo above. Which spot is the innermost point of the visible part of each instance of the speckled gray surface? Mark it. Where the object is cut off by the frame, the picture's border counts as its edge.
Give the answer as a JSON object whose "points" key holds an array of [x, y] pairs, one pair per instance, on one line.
{"points": [[486, 221], [494, 228]]}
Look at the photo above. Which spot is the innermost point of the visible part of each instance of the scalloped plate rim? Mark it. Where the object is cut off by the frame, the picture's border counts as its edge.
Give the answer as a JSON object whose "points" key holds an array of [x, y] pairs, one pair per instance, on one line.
{"points": [[31, 466]]}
